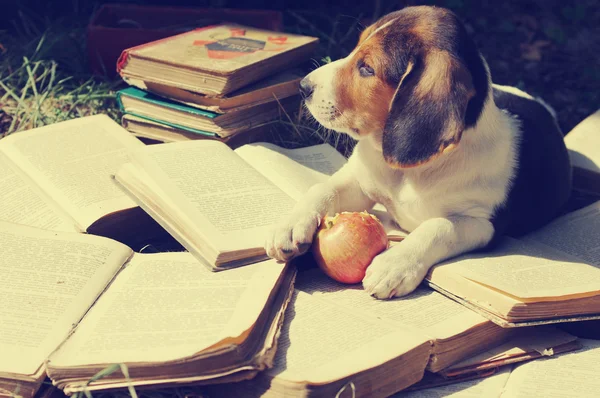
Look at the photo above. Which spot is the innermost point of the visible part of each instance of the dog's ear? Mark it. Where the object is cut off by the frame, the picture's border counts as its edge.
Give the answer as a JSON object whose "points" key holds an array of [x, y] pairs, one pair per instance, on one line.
{"points": [[427, 112]]}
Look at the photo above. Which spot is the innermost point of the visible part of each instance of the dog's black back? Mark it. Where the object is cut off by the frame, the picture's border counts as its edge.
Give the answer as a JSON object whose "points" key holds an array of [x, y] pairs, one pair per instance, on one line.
{"points": [[542, 182]]}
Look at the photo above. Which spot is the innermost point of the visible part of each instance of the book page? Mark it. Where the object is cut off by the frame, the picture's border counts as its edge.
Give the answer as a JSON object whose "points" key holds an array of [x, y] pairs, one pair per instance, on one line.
{"points": [[425, 311], [165, 306], [488, 387], [568, 375], [576, 233], [73, 161], [222, 196], [296, 170], [49, 280], [528, 270], [583, 143], [21, 202], [293, 170], [322, 342]]}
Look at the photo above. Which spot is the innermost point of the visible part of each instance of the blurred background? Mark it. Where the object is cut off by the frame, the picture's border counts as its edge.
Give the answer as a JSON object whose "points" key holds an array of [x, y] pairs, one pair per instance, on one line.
{"points": [[550, 48]]}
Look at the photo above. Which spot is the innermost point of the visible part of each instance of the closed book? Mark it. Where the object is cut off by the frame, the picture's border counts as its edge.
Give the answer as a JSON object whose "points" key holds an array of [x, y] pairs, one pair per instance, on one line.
{"points": [[216, 60]]}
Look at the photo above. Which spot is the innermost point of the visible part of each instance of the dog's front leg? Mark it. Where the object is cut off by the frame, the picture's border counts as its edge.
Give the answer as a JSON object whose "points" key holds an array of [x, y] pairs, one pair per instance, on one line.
{"points": [[400, 269], [293, 234]]}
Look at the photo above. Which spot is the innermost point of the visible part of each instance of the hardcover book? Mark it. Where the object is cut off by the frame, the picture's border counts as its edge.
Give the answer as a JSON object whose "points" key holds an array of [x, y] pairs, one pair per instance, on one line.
{"points": [[59, 177], [215, 60], [146, 105], [223, 221], [269, 89], [73, 305]]}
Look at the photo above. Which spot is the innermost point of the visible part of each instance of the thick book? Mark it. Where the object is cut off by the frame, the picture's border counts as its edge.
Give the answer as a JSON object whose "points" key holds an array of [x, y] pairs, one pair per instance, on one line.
{"points": [[59, 177], [337, 338], [146, 105], [74, 305], [158, 132], [216, 60], [569, 375], [269, 89], [218, 202], [551, 275]]}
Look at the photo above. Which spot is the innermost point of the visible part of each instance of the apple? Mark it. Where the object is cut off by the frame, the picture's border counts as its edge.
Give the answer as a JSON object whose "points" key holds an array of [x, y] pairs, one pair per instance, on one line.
{"points": [[346, 244]]}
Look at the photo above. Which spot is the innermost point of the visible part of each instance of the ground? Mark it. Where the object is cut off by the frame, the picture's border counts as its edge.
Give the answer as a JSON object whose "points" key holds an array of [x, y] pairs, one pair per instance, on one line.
{"points": [[546, 47]]}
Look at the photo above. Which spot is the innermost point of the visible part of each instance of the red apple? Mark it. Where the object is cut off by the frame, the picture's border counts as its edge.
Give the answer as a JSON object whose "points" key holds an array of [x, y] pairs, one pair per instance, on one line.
{"points": [[346, 243]]}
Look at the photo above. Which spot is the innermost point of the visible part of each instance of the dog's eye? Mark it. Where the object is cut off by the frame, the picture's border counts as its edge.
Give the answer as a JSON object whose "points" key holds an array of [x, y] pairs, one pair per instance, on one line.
{"points": [[365, 70]]}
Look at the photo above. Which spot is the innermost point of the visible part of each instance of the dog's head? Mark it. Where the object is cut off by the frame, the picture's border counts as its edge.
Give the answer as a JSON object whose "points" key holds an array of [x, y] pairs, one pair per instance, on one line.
{"points": [[413, 84]]}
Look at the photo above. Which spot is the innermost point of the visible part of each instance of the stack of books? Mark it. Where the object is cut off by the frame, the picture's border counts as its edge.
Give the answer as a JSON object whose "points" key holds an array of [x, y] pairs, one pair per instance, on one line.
{"points": [[83, 305], [223, 82]]}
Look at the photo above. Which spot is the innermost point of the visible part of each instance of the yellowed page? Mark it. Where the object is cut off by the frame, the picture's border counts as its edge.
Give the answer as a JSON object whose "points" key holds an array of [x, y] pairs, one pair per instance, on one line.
{"points": [[22, 202], [293, 170], [73, 161], [229, 203], [296, 170], [165, 306], [321, 341], [583, 143], [425, 311], [576, 233], [527, 270], [570, 375], [489, 387], [49, 280]]}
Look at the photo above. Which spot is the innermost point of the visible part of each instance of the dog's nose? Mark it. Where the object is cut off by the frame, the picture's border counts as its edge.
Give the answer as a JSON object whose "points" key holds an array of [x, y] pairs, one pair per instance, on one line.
{"points": [[306, 88]]}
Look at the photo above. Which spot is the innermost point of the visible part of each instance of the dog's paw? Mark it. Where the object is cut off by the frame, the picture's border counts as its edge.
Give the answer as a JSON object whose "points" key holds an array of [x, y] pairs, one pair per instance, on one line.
{"points": [[392, 274], [292, 237]]}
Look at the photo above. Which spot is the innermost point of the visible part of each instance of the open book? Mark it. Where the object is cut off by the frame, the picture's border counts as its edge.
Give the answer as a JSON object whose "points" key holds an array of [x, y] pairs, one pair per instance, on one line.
{"points": [[58, 177], [86, 302], [570, 375], [335, 336], [218, 202], [548, 276]]}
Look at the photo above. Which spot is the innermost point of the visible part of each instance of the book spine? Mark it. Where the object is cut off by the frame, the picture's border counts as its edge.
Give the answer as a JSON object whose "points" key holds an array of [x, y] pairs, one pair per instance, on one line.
{"points": [[119, 101], [124, 57]]}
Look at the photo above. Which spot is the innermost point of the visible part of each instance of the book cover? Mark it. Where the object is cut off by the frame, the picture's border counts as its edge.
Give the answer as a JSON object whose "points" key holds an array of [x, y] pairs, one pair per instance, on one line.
{"points": [[221, 49]]}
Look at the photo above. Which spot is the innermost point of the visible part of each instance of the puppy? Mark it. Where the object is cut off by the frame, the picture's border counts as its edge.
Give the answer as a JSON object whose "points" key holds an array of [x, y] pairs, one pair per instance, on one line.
{"points": [[456, 160]]}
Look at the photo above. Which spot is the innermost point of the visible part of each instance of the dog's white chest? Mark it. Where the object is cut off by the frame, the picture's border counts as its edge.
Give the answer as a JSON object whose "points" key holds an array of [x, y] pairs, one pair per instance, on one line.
{"points": [[407, 201]]}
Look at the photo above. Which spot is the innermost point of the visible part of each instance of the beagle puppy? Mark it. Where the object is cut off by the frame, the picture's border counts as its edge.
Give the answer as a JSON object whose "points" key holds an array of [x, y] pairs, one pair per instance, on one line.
{"points": [[456, 160]]}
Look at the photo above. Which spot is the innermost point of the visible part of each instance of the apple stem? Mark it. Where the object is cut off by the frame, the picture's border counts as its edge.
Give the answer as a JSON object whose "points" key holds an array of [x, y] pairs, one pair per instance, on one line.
{"points": [[328, 223]]}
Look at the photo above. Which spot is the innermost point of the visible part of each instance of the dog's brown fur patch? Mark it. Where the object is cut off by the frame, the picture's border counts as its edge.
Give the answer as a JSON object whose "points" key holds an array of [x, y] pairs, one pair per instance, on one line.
{"points": [[364, 102]]}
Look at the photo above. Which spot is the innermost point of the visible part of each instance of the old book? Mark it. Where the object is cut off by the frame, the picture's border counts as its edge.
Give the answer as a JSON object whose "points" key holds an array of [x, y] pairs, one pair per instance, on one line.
{"points": [[215, 60], [526, 345], [74, 304], [146, 129], [336, 337], [583, 143], [58, 177], [548, 276], [155, 108], [567, 375], [223, 220], [269, 89]]}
